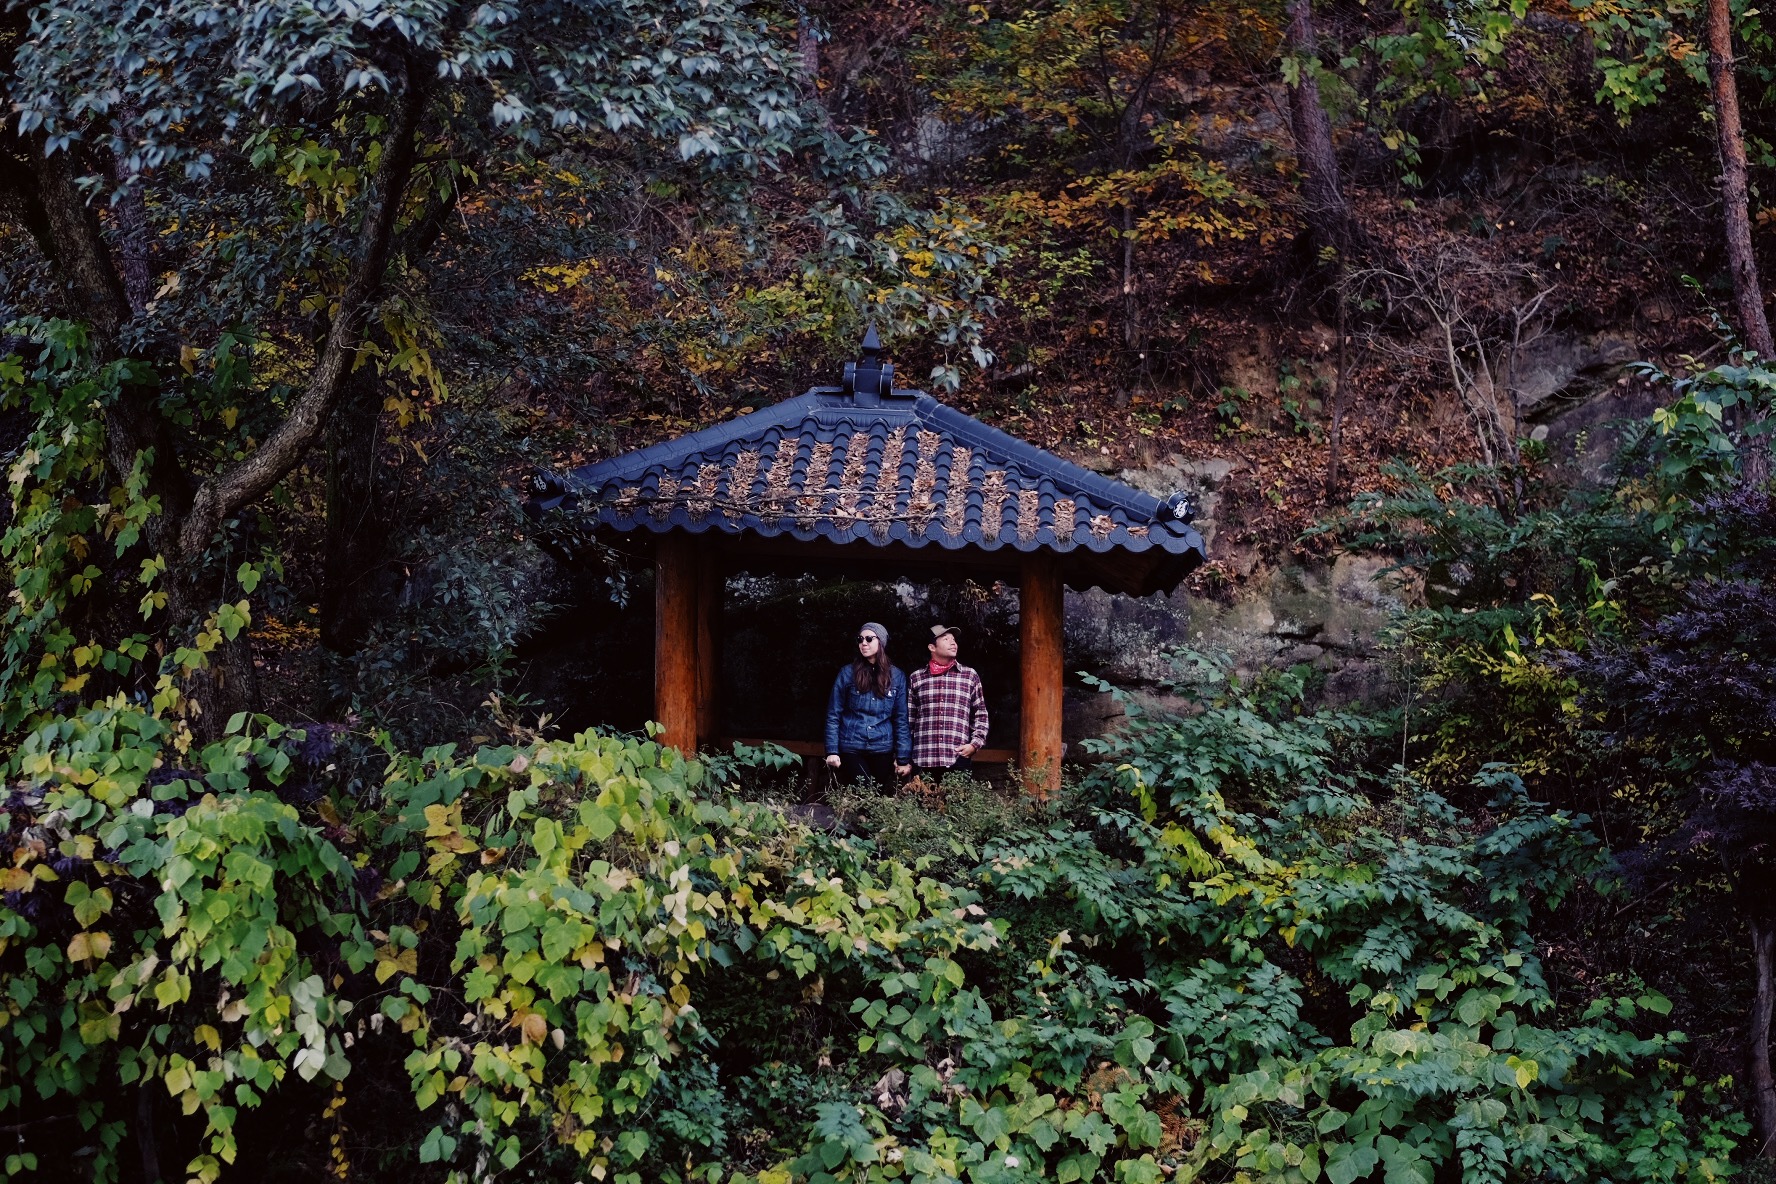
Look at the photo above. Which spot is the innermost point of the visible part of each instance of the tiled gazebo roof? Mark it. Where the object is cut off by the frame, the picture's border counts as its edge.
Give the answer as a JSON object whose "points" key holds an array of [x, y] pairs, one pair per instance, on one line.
{"points": [[863, 463]]}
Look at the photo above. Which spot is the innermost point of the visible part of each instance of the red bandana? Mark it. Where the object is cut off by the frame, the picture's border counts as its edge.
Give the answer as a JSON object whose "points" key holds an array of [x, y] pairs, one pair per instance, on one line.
{"points": [[936, 668]]}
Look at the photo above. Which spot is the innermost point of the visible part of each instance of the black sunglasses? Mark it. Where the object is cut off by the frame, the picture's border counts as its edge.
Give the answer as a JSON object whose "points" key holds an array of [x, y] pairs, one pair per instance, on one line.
{"points": [[863, 637]]}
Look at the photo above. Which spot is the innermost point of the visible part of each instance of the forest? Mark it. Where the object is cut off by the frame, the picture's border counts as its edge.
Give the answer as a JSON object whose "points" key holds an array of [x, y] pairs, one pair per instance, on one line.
{"points": [[311, 865]]}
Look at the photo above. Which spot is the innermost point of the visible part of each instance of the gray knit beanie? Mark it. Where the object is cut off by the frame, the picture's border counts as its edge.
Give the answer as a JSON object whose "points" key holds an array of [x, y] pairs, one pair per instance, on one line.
{"points": [[881, 633]]}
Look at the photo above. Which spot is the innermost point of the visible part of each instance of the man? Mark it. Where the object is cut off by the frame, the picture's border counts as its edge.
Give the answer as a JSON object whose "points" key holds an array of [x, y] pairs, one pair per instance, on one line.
{"points": [[949, 710]]}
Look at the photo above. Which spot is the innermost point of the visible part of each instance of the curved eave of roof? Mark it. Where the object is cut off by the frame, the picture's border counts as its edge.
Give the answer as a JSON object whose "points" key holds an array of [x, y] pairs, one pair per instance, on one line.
{"points": [[1178, 540]]}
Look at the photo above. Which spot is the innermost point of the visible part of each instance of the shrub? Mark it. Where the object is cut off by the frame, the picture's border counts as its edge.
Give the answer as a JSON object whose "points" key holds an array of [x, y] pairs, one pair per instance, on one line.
{"points": [[1228, 951]]}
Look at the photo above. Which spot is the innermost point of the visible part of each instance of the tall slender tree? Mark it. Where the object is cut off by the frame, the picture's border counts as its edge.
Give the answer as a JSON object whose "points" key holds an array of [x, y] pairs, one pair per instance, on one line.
{"points": [[1748, 293]]}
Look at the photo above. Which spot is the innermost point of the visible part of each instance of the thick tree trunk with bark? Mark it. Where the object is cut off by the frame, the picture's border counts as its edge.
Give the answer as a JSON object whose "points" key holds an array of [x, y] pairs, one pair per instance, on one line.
{"points": [[1757, 1037], [1327, 212], [95, 287]]}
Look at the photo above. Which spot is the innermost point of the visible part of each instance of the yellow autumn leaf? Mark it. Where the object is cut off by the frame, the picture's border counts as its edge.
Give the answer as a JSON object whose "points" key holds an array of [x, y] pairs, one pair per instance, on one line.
{"points": [[390, 962], [88, 946]]}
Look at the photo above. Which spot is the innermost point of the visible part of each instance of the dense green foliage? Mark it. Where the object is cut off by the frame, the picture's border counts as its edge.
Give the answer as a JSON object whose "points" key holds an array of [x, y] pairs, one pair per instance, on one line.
{"points": [[1228, 951]]}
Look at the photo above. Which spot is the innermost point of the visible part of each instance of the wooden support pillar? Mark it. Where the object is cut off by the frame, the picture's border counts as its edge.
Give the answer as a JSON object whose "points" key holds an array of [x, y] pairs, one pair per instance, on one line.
{"points": [[675, 641], [1043, 670], [710, 587]]}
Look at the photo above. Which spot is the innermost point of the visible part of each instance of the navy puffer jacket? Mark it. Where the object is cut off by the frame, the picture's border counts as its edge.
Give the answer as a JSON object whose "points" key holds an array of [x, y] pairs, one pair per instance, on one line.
{"points": [[863, 721]]}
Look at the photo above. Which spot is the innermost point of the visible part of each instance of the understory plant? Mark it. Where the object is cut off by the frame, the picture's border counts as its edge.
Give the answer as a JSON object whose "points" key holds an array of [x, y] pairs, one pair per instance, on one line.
{"points": [[1229, 952]]}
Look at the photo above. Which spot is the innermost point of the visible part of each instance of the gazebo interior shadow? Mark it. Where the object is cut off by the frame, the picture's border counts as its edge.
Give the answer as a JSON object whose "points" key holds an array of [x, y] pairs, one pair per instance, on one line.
{"points": [[784, 635]]}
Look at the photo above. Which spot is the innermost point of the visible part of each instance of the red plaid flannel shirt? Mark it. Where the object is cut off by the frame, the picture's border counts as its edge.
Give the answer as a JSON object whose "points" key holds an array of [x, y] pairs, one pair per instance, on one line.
{"points": [[948, 711]]}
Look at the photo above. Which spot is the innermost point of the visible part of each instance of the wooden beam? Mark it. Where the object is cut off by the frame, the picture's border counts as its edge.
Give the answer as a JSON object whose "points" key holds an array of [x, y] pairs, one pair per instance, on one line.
{"points": [[1040, 657], [675, 642], [710, 587]]}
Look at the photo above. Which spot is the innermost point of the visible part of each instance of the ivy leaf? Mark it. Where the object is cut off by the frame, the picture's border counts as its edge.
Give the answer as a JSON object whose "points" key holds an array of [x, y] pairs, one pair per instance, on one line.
{"points": [[1349, 1162], [992, 1124], [1654, 1002], [89, 947], [437, 1147], [1081, 1166]]}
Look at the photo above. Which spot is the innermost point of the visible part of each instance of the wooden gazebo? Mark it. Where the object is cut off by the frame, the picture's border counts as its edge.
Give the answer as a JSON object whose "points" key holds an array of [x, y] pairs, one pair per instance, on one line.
{"points": [[865, 476]]}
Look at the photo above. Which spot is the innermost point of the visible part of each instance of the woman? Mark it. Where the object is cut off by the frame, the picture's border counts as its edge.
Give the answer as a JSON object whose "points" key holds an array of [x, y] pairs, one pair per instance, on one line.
{"points": [[867, 736]]}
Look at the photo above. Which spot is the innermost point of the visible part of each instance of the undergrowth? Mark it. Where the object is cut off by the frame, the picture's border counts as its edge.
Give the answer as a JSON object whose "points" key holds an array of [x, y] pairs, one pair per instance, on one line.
{"points": [[1230, 950]]}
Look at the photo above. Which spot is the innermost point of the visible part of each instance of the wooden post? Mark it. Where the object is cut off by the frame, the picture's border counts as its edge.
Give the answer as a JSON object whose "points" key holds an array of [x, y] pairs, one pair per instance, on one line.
{"points": [[1039, 645], [675, 641], [710, 586]]}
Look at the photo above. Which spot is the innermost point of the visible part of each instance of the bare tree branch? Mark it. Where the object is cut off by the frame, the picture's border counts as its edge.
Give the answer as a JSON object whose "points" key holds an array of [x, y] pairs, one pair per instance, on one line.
{"points": [[1469, 316]]}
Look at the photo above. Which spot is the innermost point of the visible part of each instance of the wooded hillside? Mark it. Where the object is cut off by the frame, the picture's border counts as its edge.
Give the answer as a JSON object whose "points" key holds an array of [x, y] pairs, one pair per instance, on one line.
{"points": [[298, 875]]}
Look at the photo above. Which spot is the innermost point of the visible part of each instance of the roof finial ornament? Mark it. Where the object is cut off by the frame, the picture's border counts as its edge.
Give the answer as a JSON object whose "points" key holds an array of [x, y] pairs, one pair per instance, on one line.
{"points": [[870, 379], [1180, 507]]}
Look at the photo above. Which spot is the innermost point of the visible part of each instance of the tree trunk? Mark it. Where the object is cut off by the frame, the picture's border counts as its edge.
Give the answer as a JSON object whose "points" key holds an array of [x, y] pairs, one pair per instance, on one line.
{"points": [[96, 293], [253, 476], [1748, 295], [1763, 1084], [146, 1144], [352, 556], [808, 48], [1328, 214]]}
